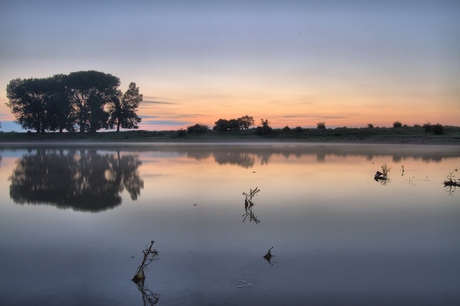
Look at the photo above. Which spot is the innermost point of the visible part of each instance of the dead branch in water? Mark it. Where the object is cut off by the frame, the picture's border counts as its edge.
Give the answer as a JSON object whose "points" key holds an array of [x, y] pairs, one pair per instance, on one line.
{"points": [[149, 256], [252, 193], [451, 181]]}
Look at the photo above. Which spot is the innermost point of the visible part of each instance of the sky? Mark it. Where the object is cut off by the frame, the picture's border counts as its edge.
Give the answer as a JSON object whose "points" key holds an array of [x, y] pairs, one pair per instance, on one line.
{"points": [[295, 63]]}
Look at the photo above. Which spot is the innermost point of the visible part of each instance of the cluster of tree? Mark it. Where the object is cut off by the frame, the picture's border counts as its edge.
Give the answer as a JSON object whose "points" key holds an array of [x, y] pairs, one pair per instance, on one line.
{"points": [[242, 123], [85, 101]]}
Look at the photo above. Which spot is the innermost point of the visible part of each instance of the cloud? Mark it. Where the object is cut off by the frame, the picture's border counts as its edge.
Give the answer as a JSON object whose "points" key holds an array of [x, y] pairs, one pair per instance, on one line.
{"points": [[165, 122], [319, 116], [149, 117], [158, 102]]}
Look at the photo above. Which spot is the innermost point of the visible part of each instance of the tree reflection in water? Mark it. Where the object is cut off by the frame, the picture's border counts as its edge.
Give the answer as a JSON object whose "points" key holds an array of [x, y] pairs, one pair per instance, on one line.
{"points": [[83, 180], [242, 159]]}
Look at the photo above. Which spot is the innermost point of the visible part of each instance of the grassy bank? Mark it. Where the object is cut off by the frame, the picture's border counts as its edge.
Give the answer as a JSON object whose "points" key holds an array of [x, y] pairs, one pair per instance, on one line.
{"points": [[451, 135]]}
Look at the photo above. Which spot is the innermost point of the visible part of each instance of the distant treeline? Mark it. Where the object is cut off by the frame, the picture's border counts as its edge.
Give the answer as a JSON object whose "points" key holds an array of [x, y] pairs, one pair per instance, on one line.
{"points": [[246, 122], [83, 101]]}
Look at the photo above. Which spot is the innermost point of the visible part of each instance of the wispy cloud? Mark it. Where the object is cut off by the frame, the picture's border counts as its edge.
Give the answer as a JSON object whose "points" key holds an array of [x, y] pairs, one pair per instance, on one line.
{"points": [[309, 116], [158, 102], [165, 122]]}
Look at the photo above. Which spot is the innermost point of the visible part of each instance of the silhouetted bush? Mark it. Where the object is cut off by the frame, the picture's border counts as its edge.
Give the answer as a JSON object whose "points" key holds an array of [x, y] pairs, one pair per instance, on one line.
{"points": [[321, 125], [397, 124], [181, 133], [370, 126], [265, 128], [427, 127], [298, 129], [437, 129], [286, 129], [198, 128]]}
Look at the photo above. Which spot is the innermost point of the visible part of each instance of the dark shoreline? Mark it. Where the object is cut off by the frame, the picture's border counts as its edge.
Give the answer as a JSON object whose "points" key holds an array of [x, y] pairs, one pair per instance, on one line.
{"points": [[410, 135]]}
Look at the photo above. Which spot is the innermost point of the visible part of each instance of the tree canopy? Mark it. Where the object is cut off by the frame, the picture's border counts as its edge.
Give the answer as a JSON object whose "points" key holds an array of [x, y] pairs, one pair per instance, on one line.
{"points": [[85, 101]]}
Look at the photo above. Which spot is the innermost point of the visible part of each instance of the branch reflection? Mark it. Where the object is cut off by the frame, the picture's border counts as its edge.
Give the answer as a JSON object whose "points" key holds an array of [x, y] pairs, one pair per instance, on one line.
{"points": [[83, 180], [248, 204], [148, 296]]}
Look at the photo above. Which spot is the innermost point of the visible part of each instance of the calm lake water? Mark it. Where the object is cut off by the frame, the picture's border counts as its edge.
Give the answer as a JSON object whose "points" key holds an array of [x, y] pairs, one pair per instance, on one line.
{"points": [[74, 220]]}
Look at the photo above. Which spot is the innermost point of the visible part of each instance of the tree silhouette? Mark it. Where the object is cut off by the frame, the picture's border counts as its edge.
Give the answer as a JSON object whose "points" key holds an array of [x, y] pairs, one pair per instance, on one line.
{"points": [[242, 123], [89, 92], [265, 128], [31, 99], [246, 122], [83, 100], [123, 111]]}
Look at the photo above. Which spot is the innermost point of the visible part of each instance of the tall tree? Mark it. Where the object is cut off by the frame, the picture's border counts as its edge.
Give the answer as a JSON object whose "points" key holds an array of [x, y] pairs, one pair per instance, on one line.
{"points": [[57, 106], [89, 92], [28, 100], [123, 111]]}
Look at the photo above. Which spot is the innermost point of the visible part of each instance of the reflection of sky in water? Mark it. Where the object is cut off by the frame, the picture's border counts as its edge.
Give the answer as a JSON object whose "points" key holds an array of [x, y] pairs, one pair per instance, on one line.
{"points": [[337, 234]]}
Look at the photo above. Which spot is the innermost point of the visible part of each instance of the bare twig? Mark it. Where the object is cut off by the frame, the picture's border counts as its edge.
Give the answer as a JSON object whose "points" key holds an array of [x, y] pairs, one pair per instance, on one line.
{"points": [[252, 193], [149, 256]]}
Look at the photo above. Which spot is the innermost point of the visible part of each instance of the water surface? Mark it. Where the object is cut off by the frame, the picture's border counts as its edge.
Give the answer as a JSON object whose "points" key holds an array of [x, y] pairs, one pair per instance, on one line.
{"points": [[74, 220]]}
